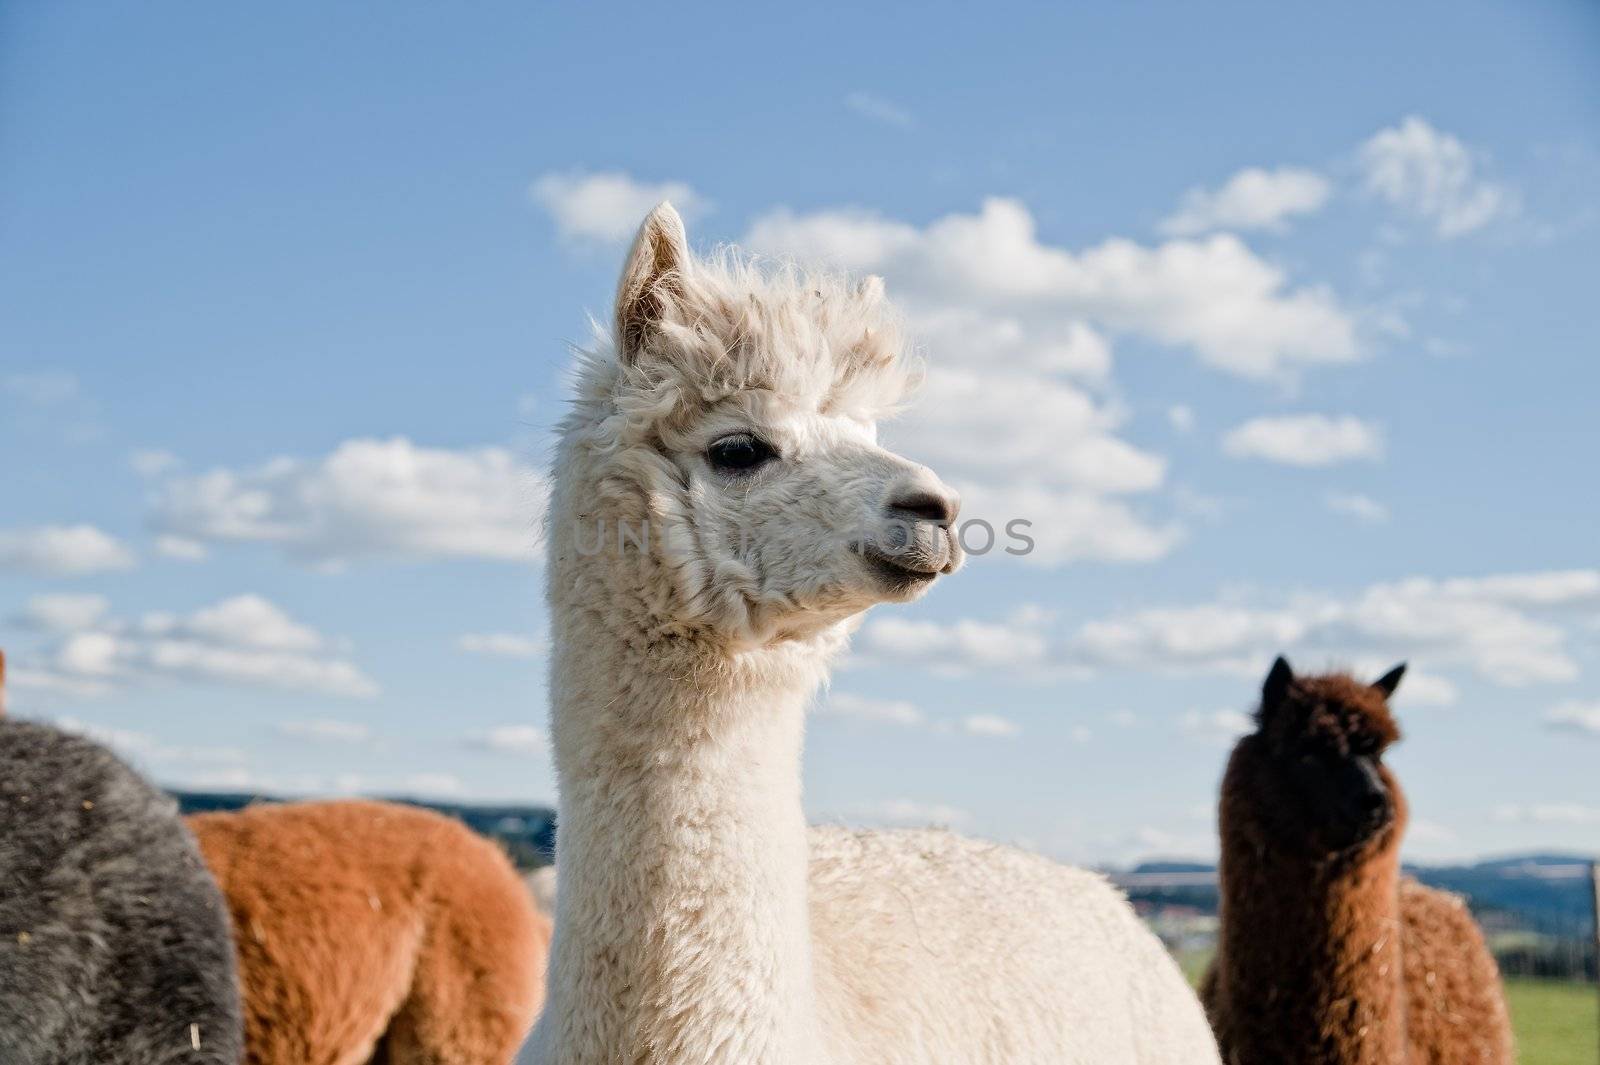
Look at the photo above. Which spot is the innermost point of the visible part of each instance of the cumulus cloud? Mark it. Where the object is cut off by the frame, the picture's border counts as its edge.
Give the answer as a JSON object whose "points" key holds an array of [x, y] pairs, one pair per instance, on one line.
{"points": [[1360, 507], [607, 206], [62, 551], [510, 739], [1251, 199], [1053, 526], [152, 462], [367, 499], [878, 109], [990, 725], [1015, 413], [327, 730], [1305, 440], [46, 388], [1214, 296], [1019, 641], [879, 711], [1030, 446], [904, 714], [63, 612], [1211, 637], [1216, 726], [1431, 174], [1548, 813], [145, 749], [1575, 716], [1492, 626], [50, 402], [996, 425], [245, 640], [911, 813], [503, 644], [1510, 629]]}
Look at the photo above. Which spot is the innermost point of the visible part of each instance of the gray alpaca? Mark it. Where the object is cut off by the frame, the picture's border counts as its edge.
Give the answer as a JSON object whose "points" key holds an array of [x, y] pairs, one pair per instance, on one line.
{"points": [[114, 942]]}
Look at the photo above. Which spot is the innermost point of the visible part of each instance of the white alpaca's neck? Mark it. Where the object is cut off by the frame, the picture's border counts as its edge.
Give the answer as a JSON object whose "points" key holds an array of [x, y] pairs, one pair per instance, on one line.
{"points": [[682, 931]]}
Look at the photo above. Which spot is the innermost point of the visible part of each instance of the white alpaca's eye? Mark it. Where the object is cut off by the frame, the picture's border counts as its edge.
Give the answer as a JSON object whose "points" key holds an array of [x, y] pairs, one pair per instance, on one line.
{"points": [[740, 453]]}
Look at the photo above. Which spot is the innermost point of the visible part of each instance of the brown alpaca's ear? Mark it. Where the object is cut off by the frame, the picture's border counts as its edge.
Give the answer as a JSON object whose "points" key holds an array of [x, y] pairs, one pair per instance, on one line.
{"points": [[1390, 680], [1276, 687], [657, 264]]}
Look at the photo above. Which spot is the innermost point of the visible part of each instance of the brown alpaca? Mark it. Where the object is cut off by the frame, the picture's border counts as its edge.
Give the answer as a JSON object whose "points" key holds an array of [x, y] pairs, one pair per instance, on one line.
{"points": [[371, 932], [1327, 955]]}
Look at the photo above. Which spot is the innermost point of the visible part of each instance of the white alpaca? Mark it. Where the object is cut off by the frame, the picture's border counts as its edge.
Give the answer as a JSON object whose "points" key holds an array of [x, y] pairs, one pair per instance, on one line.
{"points": [[698, 921]]}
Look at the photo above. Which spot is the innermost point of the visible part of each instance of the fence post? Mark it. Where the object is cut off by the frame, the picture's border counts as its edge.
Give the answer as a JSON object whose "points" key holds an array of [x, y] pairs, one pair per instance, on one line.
{"points": [[1594, 887]]}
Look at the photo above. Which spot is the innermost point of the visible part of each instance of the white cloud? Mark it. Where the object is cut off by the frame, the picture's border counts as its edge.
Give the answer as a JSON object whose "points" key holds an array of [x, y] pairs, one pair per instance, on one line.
{"points": [[46, 388], [1181, 417], [1251, 199], [1215, 296], [860, 708], [145, 749], [911, 813], [1221, 726], [152, 462], [990, 725], [1065, 525], [608, 206], [1491, 626], [367, 499], [1549, 813], [959, 646], [242, 621], [1210, 637], [327, 730], [244, 640], [510, 739], [1575, 716], [996, 425], [1431, 174], [64, 611], [878, 109], [1550, 588], [1355, 505], [62, 551], [1509, 629], [180, 548], [441, 785], [503, 644], [1305, 440], [1015, 413]]}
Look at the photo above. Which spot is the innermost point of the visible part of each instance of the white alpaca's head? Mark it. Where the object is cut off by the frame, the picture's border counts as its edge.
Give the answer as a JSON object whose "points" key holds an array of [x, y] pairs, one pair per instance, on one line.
{"points": [[735, 413]]}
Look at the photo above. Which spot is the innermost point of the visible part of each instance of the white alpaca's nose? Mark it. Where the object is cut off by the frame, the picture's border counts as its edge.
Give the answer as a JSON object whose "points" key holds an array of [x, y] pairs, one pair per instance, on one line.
{"points": [[923, 497]]}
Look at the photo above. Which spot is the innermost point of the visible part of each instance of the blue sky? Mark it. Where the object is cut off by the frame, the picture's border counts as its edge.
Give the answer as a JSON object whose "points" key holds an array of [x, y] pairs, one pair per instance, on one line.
{"points": [[1279, 324]]}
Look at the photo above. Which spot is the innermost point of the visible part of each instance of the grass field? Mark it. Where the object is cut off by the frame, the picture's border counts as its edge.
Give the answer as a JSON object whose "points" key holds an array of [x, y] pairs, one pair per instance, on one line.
{"points": [[1557, 1023]]}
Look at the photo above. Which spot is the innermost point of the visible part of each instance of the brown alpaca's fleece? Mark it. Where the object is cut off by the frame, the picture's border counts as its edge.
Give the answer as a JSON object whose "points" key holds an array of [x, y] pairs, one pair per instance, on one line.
{"points": [[1335, 958], [375, 932]]}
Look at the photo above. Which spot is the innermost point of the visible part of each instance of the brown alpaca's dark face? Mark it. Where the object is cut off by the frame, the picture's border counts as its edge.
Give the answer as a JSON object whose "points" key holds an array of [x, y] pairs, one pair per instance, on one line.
{"points": [[1322, 740]]}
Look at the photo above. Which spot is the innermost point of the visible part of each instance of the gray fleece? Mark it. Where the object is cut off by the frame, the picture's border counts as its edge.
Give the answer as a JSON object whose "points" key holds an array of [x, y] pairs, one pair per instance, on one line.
{"points": [[114, 941]]}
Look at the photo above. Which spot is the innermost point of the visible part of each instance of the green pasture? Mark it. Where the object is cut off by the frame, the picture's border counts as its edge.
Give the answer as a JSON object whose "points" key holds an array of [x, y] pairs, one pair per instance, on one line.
{"points": [[1557, 1022]]}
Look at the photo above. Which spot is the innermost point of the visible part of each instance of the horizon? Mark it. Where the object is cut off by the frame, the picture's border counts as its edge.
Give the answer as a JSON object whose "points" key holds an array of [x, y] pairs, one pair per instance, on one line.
{"points": [[1277, 326]]}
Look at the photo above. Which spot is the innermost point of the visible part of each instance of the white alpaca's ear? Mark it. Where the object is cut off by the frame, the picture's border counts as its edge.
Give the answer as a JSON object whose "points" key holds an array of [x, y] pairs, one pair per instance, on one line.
{"points": [[657, 264], [870, 289]]}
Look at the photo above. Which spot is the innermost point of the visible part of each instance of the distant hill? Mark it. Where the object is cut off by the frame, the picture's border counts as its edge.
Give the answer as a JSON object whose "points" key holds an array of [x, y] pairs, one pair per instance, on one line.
{"points": [[1545, 893], [528, 833]]}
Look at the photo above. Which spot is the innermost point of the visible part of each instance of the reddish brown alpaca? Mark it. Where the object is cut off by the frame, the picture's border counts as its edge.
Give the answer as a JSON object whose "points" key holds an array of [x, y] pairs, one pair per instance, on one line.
{"points": [[375, 933], [1327, 955]]}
